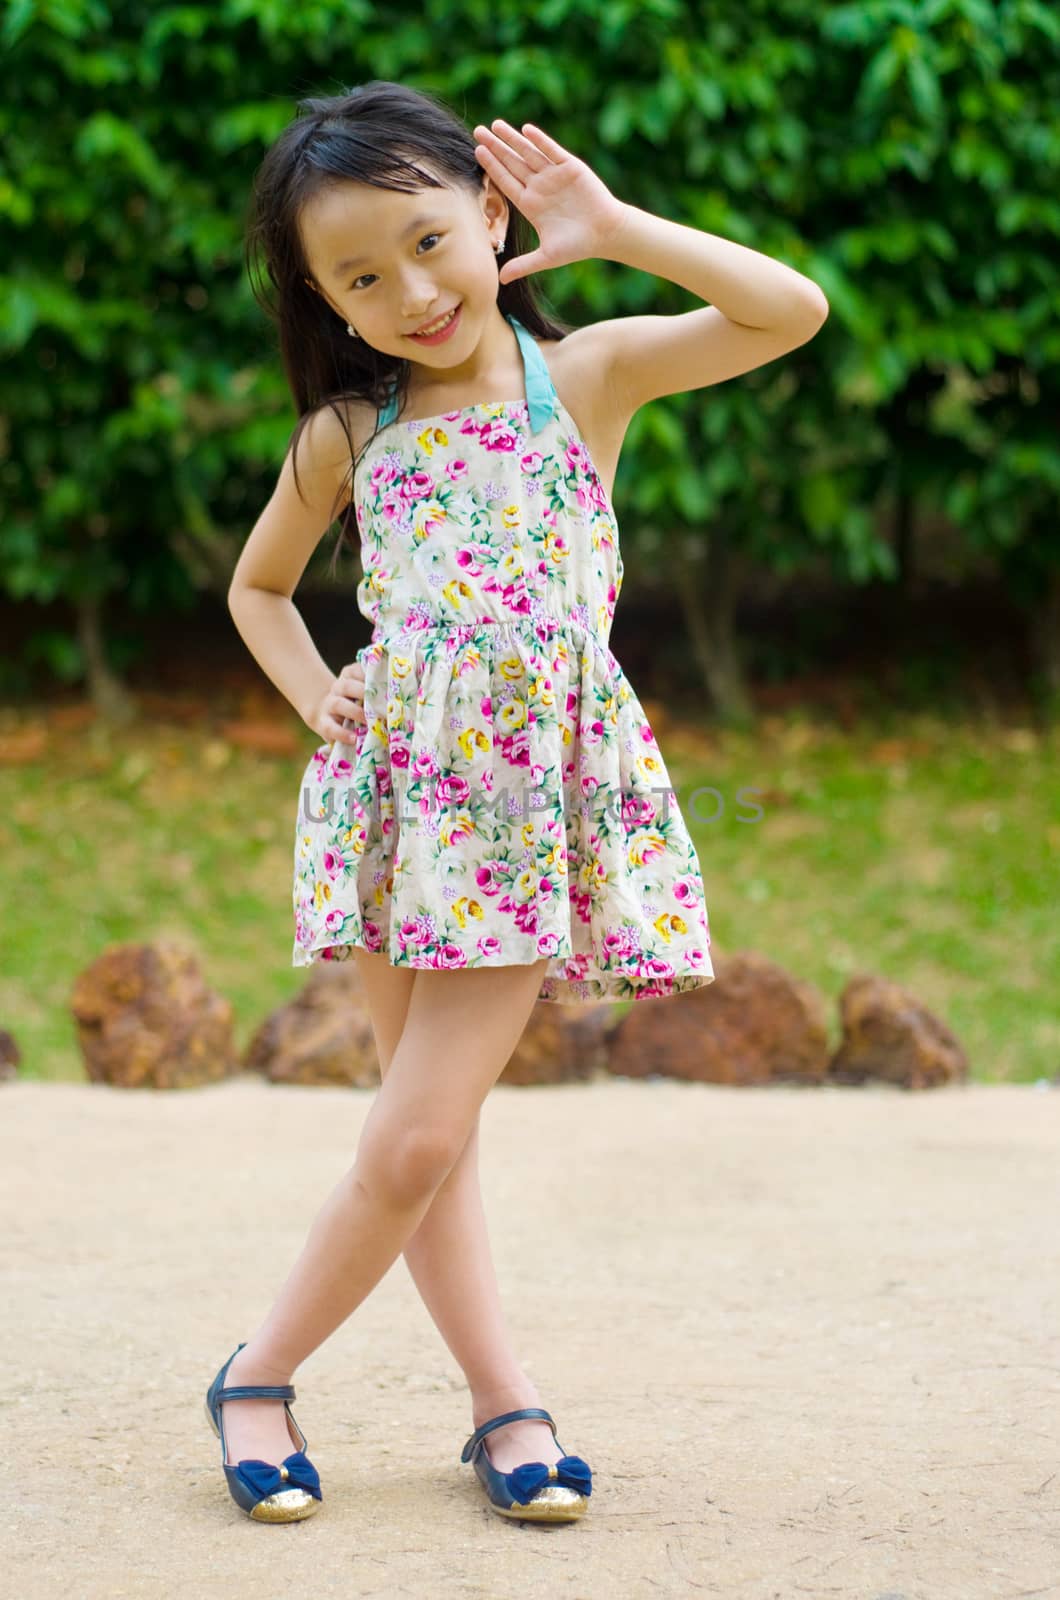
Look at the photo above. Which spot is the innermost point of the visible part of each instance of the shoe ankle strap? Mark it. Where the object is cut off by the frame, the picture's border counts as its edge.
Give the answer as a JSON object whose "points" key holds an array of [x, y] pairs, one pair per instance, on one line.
{"points": [[257, 1391], [532, 1412]]}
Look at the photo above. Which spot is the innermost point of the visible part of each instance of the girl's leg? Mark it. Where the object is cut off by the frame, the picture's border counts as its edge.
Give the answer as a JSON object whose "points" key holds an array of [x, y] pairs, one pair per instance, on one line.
{"points": [[450, 1261], [460, 1030]]}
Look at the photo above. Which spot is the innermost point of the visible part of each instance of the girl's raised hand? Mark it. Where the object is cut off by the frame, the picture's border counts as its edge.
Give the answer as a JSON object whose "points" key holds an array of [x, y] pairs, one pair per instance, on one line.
{"points": [[345, 699], [573, 212]]}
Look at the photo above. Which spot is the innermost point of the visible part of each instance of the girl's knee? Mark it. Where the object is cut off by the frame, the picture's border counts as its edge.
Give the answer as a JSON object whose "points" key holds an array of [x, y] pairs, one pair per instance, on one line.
{"points": [[406, 1166]]}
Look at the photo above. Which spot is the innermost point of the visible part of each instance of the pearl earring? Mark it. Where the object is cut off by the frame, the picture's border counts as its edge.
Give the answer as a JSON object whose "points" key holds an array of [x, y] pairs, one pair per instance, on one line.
{"points": [[498, 247], [352, 331]]}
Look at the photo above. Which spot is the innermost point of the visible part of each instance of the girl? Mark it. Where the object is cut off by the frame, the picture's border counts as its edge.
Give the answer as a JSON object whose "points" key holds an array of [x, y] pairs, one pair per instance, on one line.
{"points": [[487, 821]]}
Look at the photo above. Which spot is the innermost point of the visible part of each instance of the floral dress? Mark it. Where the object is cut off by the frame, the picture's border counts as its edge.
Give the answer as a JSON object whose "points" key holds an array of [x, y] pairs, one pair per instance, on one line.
{"points": [[505, 799]]}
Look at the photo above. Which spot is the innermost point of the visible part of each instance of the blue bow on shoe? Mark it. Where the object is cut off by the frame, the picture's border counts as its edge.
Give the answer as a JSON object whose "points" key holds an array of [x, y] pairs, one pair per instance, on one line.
{"points": [[526, 1480], [264, 1478]]}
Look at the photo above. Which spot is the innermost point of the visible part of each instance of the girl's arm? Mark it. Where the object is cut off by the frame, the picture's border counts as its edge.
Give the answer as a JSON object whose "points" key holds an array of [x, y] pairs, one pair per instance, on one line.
{"points": [[273, 560], [751, 289], [760, 309]]}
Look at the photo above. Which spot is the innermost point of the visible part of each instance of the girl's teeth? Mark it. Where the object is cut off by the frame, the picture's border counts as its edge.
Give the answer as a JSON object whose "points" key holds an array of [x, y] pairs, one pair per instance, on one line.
{"points": [[438, 326]]}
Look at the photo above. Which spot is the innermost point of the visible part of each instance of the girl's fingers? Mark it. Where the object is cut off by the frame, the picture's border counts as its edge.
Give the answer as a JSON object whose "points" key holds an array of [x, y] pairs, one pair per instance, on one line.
{"points": [[527, 151], [502, 159], [542, 141], [502, 177]]}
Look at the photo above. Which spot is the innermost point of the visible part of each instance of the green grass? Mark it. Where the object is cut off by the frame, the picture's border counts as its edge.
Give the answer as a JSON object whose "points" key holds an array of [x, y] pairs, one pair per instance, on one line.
{"points": [[928, 853]]}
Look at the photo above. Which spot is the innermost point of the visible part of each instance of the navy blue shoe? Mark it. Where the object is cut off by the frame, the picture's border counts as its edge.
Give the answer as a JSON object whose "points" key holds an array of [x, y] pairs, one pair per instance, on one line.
{"points": [[534, 1492], [266, 1493]]}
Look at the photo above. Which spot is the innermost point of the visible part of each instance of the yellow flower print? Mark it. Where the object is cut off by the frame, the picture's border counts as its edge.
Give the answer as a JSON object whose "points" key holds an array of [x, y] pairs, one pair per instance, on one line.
{"points": [[455, 591], [649, 766], [586, 876], [323, 892], [527, 832], [430, 514], [511, 668], [565, 733], [526, 885], [400, 666], [642, 849], [465, 908], [513, 715], [430, 437], [556, 547], [667, 924], [540, 693], [603, 533], [556, 860], [470, 740], [513, 562], [456, 827], [511, 516]]}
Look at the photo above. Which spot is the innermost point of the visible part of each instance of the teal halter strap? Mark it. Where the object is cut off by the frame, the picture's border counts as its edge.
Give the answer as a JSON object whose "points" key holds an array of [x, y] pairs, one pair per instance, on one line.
{"points": [[541, 394]]}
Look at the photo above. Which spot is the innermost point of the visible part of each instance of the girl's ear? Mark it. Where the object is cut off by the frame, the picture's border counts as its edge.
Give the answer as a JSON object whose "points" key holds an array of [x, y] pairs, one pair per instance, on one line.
{"points": [[485, 213]]}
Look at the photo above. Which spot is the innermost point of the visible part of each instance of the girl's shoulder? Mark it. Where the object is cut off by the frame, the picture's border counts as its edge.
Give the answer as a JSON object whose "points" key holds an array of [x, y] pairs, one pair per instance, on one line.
{"points": [[581, 379]]}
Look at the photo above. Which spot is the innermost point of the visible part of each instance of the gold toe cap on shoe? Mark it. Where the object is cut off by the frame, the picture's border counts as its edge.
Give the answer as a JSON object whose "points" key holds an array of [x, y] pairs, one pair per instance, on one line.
{"points": [[286, 1505], [553, 1503]]}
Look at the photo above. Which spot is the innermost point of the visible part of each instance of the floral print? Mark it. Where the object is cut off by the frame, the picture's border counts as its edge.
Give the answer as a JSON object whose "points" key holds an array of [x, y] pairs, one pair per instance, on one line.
{"points": [[505, 799]]}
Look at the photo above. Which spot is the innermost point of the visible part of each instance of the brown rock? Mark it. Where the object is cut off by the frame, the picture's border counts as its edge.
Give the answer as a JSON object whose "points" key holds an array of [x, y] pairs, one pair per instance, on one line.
{"points": [[183, 708], [23, 745], [73, 717], [323, 1036], [754, 1024], [264, 738], [562, 1044], [10, 1056], [888, 1034], [146, 1019]]}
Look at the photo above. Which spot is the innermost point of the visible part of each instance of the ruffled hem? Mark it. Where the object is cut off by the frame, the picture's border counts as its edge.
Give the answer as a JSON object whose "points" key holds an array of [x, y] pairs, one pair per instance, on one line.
{"points": [[557, 985], [601, 876]]}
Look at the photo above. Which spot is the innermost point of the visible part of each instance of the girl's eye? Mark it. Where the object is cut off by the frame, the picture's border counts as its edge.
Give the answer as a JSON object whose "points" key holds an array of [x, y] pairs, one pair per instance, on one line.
{"points": [[357, 280]]}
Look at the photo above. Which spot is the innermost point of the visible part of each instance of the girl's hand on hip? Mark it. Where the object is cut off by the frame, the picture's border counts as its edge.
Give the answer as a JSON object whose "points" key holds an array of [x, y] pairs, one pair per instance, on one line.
{"points": [[573, 212], [345, 699]]}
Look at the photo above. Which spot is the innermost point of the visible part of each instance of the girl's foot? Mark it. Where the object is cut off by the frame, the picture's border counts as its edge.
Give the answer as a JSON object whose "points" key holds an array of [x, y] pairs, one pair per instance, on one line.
{"points": [[256, 1430], [517, 1442]]}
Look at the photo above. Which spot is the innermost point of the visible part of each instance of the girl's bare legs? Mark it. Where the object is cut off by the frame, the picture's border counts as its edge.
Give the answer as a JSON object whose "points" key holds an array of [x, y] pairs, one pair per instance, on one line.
{"points": [[443, 1038]]}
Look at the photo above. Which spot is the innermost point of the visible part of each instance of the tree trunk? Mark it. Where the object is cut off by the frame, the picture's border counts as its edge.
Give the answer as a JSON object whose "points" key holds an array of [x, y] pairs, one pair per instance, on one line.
{"points": [[905, 546], [1045, 642], [106, 690], [706, 591]]}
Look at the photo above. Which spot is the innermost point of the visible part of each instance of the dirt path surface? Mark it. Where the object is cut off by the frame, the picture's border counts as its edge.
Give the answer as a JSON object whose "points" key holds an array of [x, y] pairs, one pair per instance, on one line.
{"points": [[807, 1341]]}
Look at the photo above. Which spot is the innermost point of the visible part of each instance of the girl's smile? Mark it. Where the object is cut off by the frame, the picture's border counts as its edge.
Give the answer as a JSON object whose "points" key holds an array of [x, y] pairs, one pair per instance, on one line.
{"points": [[440, 328]]}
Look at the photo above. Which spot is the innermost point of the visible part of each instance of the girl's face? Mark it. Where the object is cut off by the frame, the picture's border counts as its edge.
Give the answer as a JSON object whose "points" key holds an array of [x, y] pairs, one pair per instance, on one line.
{"points": [[388, 262]]}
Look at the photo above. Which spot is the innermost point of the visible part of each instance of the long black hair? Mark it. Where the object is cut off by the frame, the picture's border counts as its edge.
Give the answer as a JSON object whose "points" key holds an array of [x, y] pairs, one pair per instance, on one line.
{"points": [[376, 133]]}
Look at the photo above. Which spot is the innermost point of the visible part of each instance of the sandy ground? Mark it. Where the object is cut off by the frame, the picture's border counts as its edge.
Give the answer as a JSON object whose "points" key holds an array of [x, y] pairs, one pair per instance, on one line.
{"points": [[807, 1341]]}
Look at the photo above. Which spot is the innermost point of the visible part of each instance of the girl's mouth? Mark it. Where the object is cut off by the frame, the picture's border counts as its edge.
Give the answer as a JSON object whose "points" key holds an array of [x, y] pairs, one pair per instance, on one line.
{"points": [[444, 332]]}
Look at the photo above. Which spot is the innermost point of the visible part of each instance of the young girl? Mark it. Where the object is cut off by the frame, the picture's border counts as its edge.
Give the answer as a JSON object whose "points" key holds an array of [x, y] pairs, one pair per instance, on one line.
{"points": [[487, 821]]}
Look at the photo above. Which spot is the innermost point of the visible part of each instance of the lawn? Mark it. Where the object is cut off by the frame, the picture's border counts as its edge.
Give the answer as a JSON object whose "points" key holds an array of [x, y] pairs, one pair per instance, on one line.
{"points": [[928, 852]]}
